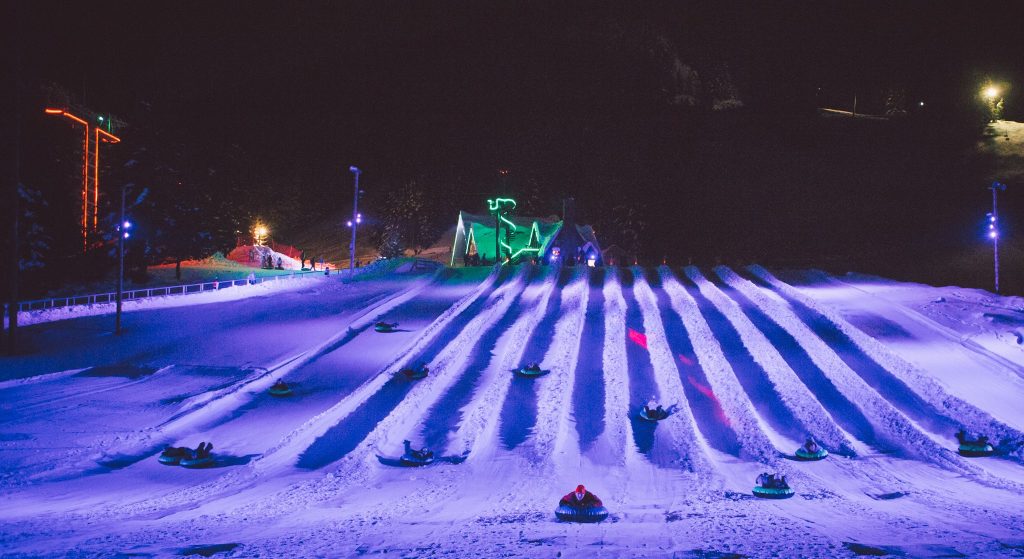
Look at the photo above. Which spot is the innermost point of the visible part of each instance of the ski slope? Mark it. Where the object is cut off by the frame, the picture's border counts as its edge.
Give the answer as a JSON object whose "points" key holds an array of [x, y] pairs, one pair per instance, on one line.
{"points": [[750, 362]]}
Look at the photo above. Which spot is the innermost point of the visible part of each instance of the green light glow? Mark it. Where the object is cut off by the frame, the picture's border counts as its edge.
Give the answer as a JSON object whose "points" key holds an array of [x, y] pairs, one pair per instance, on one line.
{"points": [[495, 204]]}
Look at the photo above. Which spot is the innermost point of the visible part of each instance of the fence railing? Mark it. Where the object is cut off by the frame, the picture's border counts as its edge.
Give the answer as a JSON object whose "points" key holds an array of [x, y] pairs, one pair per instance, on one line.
{"points": [[134, 294]]}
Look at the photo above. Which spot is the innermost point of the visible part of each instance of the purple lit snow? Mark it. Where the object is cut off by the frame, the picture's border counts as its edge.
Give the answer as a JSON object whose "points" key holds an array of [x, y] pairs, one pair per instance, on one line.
{"points": [[880, 373]]}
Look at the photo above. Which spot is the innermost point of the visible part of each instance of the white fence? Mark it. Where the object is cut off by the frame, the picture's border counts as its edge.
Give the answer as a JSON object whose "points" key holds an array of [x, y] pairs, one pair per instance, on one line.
{"points": [[133, 294]]}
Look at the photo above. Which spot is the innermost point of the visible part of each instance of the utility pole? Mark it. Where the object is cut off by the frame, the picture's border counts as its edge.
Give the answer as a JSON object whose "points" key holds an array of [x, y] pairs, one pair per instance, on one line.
{"points": [[993, 227], [354, 223]]}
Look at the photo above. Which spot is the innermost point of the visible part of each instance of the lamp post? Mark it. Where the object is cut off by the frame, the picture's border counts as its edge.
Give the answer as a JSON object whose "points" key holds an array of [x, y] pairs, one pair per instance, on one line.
{"points": [[354, 224], [993, 228], [122, 233]]}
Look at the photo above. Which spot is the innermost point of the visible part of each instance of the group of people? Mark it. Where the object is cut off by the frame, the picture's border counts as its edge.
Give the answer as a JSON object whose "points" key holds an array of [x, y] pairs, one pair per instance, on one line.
{"points": [[268, 263], [772, 481]]}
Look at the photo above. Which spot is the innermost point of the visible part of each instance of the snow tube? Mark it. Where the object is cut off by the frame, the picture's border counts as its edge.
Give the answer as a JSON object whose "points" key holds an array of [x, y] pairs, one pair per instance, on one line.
{"points": [[653, 415], [278, 391], [172, 456], [528, 372], [413, 374], [773, 492], [975, 450], [385, 327], [410, 461], [565, 513], [204, 462], [803, 454]]}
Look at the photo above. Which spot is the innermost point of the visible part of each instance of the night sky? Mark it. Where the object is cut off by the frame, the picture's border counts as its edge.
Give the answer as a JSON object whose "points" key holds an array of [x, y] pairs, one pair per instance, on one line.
{"points": [[576, 99]]}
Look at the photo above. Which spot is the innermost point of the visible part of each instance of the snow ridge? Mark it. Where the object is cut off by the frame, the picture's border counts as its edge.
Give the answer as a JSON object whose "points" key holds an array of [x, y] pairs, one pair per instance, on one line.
{"points": [[681, 425], [480, 420], [733, 399], [971, 417]]}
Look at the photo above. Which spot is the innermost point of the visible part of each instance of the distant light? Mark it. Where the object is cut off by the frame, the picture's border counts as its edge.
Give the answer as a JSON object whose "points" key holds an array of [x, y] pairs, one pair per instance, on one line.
{"points": [[100, 118], [350, 223], [359, 219], [991, 92], [993, 234], [354, 169], [127, 225], [127, 234], [920, 104], [992, 218]]}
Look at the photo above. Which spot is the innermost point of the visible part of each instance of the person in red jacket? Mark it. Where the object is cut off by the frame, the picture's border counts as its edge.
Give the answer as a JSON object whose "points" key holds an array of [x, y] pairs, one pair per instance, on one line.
{"points": [[581, 498]]}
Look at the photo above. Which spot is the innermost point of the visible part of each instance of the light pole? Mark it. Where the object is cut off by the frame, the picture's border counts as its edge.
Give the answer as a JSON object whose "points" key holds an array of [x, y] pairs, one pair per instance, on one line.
{"points": [[122, 233], [993, 228], [354, 224]]}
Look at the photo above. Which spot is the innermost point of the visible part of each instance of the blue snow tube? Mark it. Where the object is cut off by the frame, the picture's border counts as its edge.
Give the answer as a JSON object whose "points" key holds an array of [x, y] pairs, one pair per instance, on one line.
{"points": [[803, 454], [385, 327], [195, 463], [530, 371], [280, 390], [653, 415], [567, 513], [773, 492], [976, 450]]}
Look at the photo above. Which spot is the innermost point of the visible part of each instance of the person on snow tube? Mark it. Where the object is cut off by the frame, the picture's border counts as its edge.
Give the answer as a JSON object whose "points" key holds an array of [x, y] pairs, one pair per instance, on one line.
{"points": [[421, 456], [415, 373], [199, 457], [581, 506], [772, 486], [973, 448], [385, 326], [654, 411], [531, 370], [280, 388], [810, 450]]}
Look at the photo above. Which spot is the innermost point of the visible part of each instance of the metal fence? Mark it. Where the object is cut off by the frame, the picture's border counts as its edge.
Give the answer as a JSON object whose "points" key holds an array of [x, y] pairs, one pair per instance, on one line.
{"points": [[135, 294]]}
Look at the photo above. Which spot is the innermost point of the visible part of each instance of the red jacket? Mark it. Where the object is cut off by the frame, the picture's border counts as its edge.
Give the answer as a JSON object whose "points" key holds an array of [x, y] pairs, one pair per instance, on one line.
{"points": [[589, 500]]}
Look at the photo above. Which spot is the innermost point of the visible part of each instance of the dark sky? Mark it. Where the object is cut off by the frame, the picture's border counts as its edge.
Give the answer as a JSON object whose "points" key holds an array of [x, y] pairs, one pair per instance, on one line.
{"points": [[290, 78], [569, 92]]}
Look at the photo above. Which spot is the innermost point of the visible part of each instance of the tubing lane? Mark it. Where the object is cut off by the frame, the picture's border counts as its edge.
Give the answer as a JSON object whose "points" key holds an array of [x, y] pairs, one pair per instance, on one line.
{"points": [[519, 410], [926, 397], [704, 407], [445, 416], [378, 412], [678, 431], [482, 416], [751, 356], [795, 352], [554, 436], [639, 371], [588, 396], [295, 443], [724, 386]]}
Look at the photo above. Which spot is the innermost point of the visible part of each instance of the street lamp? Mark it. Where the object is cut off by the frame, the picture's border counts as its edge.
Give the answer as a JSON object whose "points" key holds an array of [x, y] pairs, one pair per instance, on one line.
{"points": [[122, 234], [354, 223], [991, 92], [993, 228]]}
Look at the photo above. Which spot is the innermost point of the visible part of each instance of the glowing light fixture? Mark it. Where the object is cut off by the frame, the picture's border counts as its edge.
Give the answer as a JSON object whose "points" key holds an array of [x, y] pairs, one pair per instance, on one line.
{"points": [[991, 92], [85, 171]]}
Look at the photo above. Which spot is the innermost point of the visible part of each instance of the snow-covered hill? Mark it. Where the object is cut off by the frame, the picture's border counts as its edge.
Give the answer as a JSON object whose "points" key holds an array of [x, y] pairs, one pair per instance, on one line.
{"points": [[882, 374]]}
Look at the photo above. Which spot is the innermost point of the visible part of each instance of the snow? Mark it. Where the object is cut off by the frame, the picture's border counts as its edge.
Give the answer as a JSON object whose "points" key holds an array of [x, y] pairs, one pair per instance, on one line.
{"points": [[749, 360]]}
